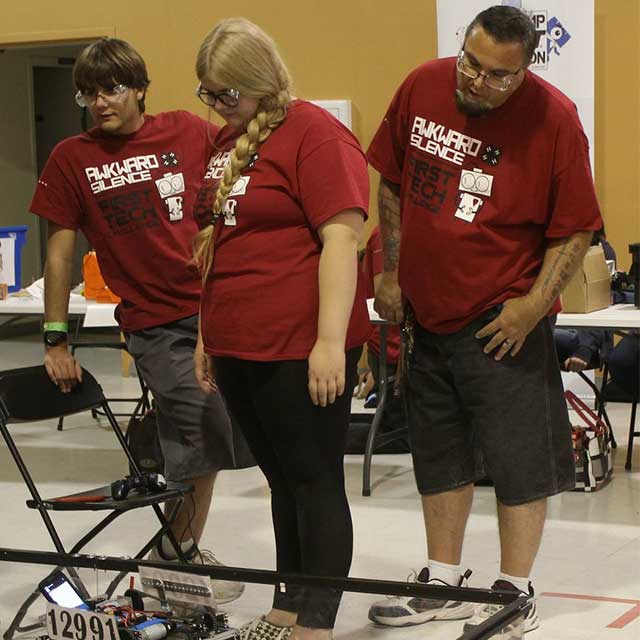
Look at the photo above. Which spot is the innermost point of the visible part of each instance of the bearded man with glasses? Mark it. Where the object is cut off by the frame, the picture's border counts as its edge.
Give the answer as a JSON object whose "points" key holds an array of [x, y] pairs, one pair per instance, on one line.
{"points": [[487, 206], [131, 185]]}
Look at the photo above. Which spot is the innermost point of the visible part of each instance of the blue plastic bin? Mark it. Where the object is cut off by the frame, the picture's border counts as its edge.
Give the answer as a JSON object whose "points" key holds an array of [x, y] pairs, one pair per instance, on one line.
{"points": [[19, 236]]}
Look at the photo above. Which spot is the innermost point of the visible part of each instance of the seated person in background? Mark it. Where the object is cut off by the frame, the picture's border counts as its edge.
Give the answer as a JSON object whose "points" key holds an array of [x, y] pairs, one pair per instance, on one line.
{"points": [[577, 349], [624, 367], [599, 238]]}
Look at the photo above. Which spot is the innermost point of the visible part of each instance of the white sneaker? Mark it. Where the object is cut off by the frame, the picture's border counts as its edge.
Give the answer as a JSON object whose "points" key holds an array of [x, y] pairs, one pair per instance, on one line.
{"points": [[260, 629], [483, 612], [408, 611], [224, 591]]}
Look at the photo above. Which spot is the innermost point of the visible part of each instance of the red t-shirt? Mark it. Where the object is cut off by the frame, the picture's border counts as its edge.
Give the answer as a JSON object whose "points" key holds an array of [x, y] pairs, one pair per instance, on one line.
{"points": [[372, 266], [261, 299], [133, 197], [480, 196]]}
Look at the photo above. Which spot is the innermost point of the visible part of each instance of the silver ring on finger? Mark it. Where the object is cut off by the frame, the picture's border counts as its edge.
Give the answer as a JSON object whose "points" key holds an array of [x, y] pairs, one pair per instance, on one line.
{"points": [[508, 344]]}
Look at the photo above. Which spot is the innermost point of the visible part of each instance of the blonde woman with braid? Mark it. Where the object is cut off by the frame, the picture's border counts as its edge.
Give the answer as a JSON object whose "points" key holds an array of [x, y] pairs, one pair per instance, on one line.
{"points": [[283, 316]]}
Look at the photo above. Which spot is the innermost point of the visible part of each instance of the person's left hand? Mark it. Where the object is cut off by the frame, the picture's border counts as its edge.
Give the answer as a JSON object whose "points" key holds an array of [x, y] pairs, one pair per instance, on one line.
{"points": [[364, 386], [204, 369], [326, 372], [574, 363], [509, 330]]}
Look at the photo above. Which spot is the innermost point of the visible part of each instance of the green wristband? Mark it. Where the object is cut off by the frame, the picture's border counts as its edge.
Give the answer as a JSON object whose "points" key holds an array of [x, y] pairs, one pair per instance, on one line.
{"points": [[57, 326]]}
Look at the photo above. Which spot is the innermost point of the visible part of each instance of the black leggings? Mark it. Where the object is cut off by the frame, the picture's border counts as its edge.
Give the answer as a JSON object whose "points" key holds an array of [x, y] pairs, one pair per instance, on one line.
{"points": [[300, 449]]}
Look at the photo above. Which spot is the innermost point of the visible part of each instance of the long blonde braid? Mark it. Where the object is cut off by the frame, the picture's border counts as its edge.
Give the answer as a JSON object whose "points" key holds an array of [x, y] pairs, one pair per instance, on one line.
{"points": [[247, 145], [240, 55]]}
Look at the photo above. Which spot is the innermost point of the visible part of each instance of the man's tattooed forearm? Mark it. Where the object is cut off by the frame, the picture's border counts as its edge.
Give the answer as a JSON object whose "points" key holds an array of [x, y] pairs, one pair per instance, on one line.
{"points": [[389, 213], [564, 266]]}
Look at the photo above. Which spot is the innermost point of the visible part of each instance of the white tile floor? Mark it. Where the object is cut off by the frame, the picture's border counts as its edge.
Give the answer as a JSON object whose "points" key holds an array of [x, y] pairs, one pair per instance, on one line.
{"points": [[587, 573]]}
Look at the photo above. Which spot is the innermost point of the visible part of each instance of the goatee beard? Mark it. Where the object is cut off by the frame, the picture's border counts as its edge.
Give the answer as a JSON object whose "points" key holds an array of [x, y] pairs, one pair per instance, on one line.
{"points": [[471, 109]]}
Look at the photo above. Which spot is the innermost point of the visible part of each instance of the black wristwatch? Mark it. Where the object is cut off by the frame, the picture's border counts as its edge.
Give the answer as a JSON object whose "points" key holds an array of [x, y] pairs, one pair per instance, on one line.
{"points": [[54, 338]]}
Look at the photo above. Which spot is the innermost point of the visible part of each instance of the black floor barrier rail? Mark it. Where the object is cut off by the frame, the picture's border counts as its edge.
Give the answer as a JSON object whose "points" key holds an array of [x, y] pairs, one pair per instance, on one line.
{"points": [[514, 605], [500, 620]]}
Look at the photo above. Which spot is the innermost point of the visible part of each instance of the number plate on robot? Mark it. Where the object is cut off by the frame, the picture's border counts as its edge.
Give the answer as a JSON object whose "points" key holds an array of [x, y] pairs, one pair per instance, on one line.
{"points": [[78, 624]]}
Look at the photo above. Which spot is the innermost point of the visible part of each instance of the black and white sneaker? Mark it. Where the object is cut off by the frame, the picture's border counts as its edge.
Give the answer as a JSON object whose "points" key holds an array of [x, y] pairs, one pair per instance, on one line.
{"points": [[406, 611], [483, 612], [260, 629]]}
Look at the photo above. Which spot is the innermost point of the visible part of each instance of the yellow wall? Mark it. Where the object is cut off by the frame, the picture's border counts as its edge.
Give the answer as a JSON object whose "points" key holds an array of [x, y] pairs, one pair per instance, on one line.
{"points": [[356, 49], [618, 121]]}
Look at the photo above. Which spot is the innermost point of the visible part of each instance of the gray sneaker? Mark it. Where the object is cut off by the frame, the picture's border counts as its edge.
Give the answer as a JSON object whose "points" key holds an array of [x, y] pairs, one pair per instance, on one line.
{"points": [[224, 591], [408, 611], [483, 612]]}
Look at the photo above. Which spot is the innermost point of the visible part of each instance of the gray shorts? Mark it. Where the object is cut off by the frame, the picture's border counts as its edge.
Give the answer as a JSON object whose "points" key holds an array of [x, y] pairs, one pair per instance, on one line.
{"points": [[469, 414], [194, 428]]}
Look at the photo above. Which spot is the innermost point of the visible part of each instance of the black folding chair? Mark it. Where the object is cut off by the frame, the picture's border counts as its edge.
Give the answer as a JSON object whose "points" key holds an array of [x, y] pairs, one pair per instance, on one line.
{"points": [[374, 438], [28, 395], [613, 393]]}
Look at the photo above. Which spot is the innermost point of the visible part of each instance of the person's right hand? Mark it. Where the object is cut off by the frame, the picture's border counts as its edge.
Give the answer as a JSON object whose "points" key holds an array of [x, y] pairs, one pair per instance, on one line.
{"points": [[63, 369], [574, 363], [388, 301], [204, 369]]}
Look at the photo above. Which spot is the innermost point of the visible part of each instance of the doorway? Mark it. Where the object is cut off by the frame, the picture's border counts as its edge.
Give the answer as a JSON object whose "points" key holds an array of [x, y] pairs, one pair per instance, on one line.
{"points": [[56, 117]]}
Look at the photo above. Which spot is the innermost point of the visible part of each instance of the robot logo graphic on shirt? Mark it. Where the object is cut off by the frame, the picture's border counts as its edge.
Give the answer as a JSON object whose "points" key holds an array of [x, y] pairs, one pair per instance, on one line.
{"points": [[169, 187], [169, 159], [240, 186], [174, 204], [229, 213], [473, 184], [229, 210], [476, 182], [468, 207]]}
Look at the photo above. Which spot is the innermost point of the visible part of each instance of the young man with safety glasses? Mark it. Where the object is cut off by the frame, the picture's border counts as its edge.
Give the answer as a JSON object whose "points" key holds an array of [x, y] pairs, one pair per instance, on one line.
{"points": [[131, 184]]}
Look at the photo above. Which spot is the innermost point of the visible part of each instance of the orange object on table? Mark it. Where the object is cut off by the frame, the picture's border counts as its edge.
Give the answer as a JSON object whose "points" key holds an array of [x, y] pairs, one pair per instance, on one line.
{"points": [[95, 287]]}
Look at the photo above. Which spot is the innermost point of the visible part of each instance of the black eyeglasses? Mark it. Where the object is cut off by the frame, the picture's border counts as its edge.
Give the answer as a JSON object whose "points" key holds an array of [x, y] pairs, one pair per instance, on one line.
{"points": [[228, 97], [490, 79]]}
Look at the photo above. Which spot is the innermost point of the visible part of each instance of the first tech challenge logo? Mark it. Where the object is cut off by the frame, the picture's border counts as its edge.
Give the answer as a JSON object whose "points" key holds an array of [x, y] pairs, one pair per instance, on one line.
{"points": [[553, 36]]}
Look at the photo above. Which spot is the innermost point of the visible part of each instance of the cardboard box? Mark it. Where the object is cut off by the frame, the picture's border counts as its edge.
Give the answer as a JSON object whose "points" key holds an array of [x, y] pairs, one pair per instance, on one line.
{"points": [[590, 287]]}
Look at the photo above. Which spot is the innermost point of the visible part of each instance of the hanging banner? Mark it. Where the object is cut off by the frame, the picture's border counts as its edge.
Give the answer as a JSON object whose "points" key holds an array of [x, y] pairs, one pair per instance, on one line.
{"points": [[565, 53]]}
